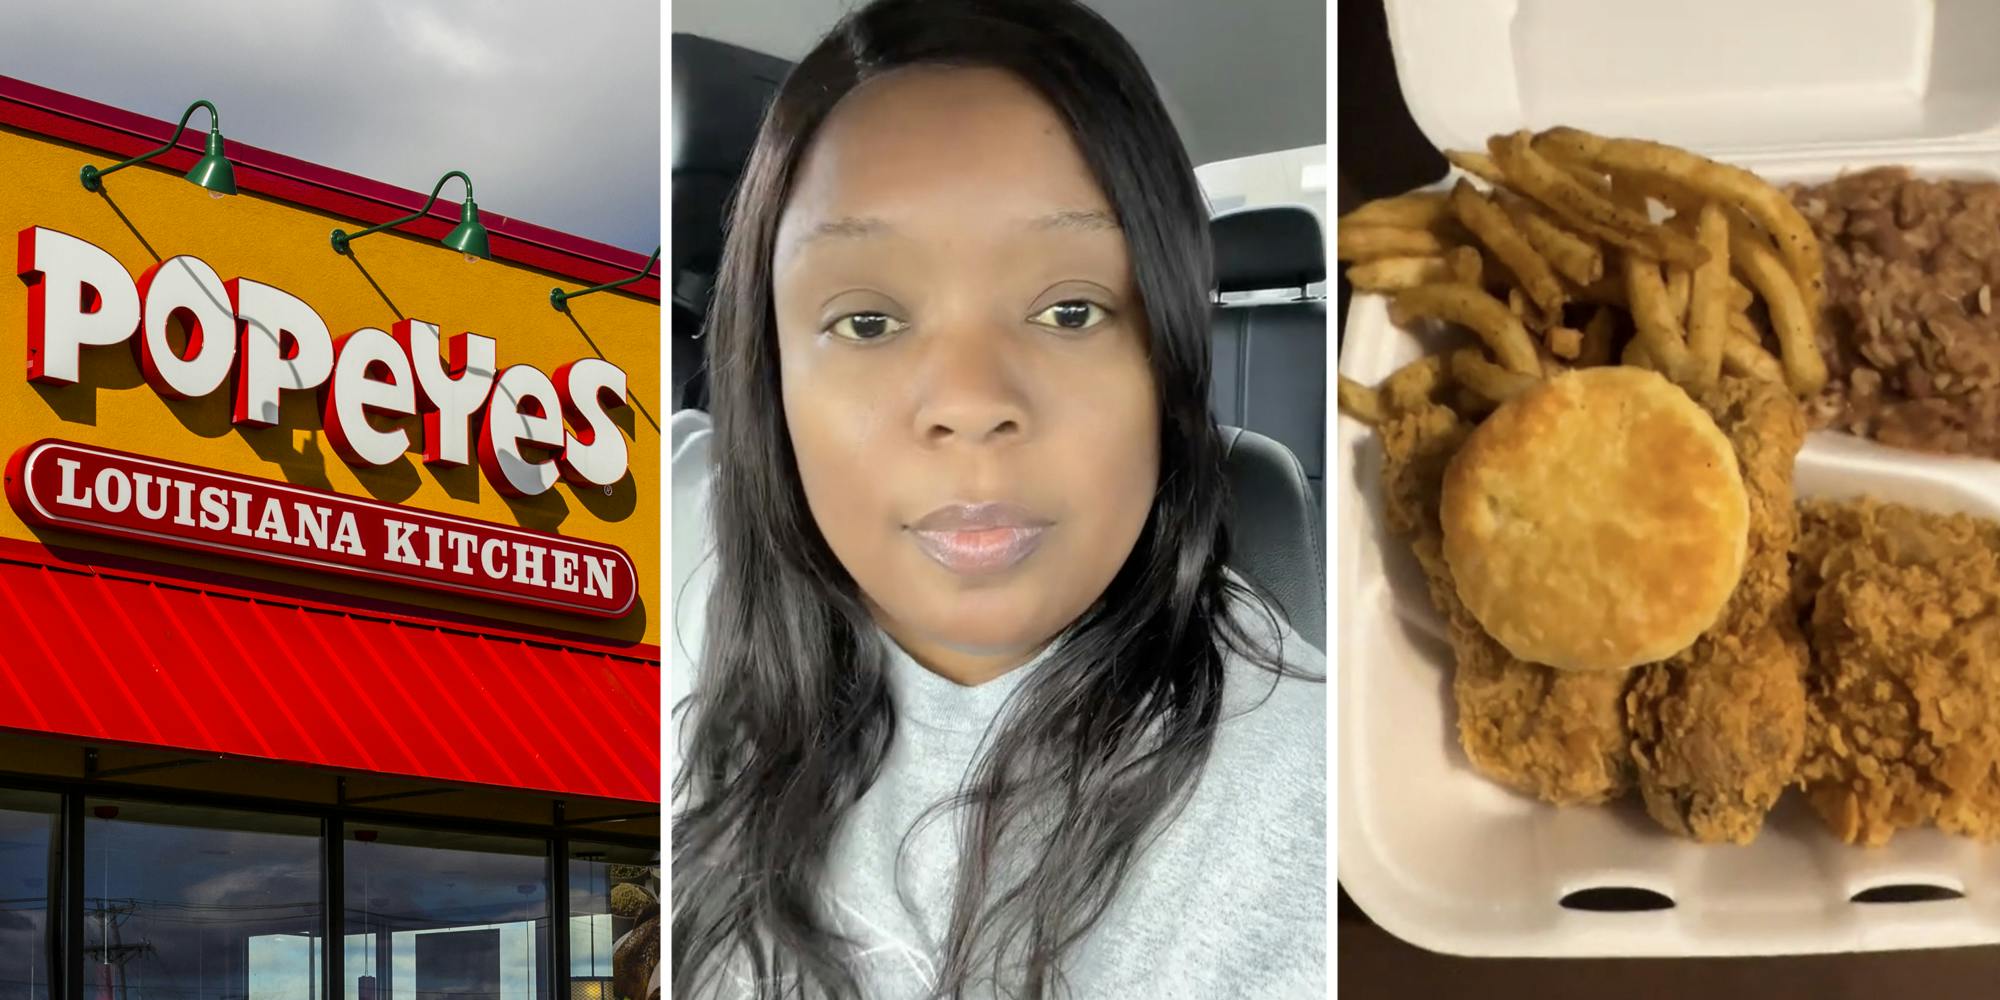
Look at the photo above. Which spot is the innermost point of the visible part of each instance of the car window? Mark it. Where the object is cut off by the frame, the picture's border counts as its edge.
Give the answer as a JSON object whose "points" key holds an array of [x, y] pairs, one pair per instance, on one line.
{"points": [[1281, 177]]}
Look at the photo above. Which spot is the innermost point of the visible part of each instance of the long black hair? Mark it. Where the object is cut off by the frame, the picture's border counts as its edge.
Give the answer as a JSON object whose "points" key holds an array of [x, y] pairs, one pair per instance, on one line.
{"points": [[791, 717]]}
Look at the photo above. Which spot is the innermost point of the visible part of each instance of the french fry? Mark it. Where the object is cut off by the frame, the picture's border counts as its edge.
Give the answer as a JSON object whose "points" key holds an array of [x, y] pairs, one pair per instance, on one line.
{"points": [[1791, 316], [1575, 257], [1364, 243], [1565, 216], [1608, 290], [1491, 226], [1763, 203], [1677, 293], [1585, 176], [1739, 295], [1743, 352], [1565, 342], [1414, 385], [1634, 356], [1494, 275], [1597, 334], [1588, 210], [1360, 402], [1487, 379], [1469, 403], [1708, 298], [1657, 324], [1683, 201], [1467, 265], [1416, 210], [1477, 164], [1477, 311], [1393, 274]]}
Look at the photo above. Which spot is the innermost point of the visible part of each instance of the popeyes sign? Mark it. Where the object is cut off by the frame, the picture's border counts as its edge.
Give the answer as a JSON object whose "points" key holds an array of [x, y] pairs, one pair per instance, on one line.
{"points": [[524, 428]]}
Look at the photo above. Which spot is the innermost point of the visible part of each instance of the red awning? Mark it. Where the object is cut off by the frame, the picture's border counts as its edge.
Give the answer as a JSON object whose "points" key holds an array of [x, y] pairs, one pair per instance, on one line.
{"points": [[119, 655]]}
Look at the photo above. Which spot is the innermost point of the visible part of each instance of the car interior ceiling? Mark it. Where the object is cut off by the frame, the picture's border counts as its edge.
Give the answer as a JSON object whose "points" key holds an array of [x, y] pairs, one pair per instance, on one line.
{"points": [[1269, 385]]}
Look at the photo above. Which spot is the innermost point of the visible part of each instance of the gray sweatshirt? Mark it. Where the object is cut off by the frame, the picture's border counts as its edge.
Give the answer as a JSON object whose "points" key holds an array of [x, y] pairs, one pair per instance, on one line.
{"points": [[1229, 901]]}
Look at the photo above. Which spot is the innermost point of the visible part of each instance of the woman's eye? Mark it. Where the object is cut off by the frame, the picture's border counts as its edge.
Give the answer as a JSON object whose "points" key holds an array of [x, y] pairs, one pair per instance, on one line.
{"points": [[866, 326], [1075, 314]]}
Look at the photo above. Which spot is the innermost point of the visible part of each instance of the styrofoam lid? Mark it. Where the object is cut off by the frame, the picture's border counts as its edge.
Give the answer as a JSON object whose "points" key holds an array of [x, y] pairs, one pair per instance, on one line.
{"points": [[1720, 76]]}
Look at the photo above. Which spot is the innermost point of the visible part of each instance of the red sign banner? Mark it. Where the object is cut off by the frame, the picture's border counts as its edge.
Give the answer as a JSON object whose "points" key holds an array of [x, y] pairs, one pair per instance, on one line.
{"points": [[61, 484]]}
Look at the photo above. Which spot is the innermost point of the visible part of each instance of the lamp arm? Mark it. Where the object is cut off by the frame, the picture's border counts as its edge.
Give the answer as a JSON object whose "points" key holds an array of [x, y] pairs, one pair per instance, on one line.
{"points": [[214, 125], [343, 239], [413, 216], [558, 297]]}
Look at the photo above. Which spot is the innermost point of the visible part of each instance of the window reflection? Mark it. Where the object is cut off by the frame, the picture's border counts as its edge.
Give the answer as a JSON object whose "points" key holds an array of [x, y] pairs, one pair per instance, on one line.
{"points": [[614, 922], [184, 902], [28, 837], [434, 915], [199, 904]]}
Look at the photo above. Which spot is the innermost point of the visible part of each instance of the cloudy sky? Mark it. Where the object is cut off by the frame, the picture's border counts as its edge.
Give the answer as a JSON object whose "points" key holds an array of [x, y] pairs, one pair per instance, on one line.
{"points": [[554, 109]]}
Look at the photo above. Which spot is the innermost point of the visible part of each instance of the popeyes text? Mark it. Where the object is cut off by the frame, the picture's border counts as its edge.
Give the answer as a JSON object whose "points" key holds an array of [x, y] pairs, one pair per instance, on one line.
{"points": [[527, 428]]}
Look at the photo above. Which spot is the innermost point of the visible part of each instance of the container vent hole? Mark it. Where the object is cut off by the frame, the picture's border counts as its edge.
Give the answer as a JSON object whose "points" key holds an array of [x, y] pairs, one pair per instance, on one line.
{"points": [[1911, 893], [1617, 899]]}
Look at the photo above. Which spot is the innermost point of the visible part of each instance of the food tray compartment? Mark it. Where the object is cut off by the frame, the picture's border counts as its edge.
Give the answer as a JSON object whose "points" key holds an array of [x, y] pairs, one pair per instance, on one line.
{"points": [[1444, 858]]}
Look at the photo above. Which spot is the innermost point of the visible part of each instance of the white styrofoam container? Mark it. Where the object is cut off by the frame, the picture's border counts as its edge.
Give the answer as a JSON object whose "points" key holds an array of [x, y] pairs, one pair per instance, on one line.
{"points": [[1798, 90]]}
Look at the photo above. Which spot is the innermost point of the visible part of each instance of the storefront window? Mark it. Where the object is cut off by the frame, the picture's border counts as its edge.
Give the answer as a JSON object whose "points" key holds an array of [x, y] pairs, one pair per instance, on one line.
{"points": [[199, 904], [614, 923], [193, 903], [432, 915], [28, 868]]}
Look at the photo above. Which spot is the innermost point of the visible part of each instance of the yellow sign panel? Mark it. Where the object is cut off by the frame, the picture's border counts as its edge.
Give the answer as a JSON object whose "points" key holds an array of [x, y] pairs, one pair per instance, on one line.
{"points": [[145, 215]]}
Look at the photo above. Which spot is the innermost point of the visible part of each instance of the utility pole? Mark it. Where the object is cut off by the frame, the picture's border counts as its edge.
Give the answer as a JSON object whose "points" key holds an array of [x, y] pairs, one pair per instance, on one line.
{"points": [[113, 953]]}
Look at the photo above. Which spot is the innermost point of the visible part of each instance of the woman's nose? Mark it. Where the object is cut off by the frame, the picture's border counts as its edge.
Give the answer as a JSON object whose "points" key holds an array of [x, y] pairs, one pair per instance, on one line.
{"points": [[970, 391]]}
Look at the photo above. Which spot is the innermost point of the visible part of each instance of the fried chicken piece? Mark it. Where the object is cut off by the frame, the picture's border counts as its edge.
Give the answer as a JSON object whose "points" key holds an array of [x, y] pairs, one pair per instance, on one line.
{"points": [[1557, 735], [1416, 447], [1905, 686], [1766, 426], [1718, 731]]}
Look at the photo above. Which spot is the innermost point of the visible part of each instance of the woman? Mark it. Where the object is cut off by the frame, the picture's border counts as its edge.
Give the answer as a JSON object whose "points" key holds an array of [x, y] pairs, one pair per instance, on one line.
{"points": [[976, 709]]}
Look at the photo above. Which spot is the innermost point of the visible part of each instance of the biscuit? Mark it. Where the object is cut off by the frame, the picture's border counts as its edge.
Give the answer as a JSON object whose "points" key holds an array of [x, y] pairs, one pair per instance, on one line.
{"points": [[1596, 522]]}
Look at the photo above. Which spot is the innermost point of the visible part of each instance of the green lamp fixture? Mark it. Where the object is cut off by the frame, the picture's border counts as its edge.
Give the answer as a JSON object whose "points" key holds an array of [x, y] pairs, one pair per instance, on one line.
{"points": [[212, 171], [468, 238], [560, 299]]}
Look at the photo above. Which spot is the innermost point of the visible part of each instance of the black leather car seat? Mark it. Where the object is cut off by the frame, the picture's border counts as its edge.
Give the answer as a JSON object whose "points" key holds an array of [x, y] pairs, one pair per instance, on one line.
{"points": [[1268, 392], [1275, 528]]}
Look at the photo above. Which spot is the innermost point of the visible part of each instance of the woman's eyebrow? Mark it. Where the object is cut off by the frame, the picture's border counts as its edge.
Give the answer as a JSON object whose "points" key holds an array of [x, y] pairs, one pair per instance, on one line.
{"points": [[866, 226], [1084, 219], [849, 227]]}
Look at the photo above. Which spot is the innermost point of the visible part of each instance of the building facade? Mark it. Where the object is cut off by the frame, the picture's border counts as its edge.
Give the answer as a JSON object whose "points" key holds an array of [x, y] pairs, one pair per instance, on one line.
{"points": [[329, 590]]}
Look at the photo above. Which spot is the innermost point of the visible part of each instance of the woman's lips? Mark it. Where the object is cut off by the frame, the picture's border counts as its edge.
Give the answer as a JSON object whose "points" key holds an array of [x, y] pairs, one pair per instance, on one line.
{"points": [[979, 539]]}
